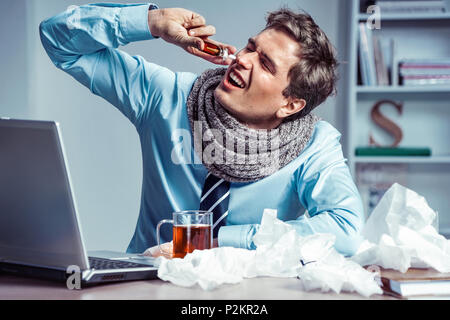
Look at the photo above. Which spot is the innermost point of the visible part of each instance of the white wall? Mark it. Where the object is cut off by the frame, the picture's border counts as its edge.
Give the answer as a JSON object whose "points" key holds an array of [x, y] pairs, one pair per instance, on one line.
{"points": [[102, 146], [13, 58]]}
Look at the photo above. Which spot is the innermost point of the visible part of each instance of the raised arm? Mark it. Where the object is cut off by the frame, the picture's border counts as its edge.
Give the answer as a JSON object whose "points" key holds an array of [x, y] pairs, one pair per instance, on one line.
{"points": [[83, 42]]}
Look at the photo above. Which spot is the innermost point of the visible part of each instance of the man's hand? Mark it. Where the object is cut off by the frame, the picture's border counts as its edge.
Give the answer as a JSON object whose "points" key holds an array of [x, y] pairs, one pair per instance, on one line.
{"points": [[187, 30], [155, 252], [168, 248]]}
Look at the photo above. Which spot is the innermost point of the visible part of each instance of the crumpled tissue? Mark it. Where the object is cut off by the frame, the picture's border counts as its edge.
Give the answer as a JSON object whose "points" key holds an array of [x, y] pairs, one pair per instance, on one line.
{"points": [[399, 234], [280, 252]]}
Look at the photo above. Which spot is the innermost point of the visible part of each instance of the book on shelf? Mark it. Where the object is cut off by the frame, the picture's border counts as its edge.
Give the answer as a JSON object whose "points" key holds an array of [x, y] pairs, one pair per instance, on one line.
{"points": [[414, 282], [427, 63], [424, 71], [380, 64], [418, 72], [366, 56], [375, 58], [442, 80], [372, 151], [411, 6]]}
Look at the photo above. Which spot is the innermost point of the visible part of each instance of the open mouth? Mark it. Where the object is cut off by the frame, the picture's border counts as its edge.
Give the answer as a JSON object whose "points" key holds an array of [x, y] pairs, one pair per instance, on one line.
{"points": [[235, 80]]}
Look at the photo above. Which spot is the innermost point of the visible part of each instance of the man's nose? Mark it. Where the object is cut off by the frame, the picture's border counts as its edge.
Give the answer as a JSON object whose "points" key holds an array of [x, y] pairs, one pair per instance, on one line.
{"points": [[245, 59]]}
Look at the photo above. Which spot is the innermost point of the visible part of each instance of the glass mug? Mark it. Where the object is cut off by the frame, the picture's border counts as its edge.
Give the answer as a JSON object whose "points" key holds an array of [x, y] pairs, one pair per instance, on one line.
{"points": [[192, 230]]}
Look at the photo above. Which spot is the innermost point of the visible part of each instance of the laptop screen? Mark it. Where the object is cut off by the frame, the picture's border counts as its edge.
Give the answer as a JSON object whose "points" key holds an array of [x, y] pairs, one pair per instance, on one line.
{"points": [[38, 222]]}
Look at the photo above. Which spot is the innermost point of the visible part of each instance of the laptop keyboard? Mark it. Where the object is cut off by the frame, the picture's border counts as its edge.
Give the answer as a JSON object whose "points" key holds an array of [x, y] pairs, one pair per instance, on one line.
{"points": [[102, 264]]}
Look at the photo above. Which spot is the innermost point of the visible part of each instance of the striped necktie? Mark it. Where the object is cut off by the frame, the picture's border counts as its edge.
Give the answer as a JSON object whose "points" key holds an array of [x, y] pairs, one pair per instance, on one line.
{"points": [[215, 196]]}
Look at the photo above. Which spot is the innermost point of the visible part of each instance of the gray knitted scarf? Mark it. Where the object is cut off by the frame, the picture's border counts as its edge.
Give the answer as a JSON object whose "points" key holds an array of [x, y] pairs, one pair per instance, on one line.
{"points": [[232, 151]]}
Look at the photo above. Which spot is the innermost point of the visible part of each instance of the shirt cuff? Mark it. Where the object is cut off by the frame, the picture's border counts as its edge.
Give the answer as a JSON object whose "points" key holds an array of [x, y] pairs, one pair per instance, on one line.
{"points": [[133, 22], [237, 236]]}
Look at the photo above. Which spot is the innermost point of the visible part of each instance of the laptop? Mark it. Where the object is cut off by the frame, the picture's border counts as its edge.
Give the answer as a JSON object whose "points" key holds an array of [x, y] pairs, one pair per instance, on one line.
{"points": [[40, 230]]}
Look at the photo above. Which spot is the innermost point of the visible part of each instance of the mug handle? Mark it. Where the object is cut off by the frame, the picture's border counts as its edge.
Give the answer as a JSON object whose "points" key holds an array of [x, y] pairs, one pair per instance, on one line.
{"points": [[165, 253]]}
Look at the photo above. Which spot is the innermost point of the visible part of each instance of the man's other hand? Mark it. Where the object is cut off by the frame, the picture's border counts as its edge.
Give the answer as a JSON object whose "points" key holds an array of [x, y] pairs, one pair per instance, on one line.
{"points": [[156, 252], [187, 30], [168, 249]]}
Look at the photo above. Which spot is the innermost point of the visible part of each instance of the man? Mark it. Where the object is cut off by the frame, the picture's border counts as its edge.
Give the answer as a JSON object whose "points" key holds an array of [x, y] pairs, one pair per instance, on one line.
{"points": [[252, 135]]}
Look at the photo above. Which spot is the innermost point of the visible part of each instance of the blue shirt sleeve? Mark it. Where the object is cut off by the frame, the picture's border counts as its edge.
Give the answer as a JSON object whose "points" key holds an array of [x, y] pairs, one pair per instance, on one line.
{"points": [[326, 189], [83, 42]]}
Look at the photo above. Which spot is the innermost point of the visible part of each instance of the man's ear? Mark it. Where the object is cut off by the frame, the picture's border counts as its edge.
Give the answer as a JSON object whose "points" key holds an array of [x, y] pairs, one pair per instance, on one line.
{"points": [[292, 106]]}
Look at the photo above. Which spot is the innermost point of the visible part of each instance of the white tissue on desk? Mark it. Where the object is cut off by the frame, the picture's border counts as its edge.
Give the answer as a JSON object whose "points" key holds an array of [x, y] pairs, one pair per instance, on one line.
{"points": [[278, 254], [208, 268], [399, 234]]}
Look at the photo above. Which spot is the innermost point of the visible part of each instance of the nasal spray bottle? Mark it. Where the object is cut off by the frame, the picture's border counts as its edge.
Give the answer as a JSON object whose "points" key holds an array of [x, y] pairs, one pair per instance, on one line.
{"points": [[217, 51]]}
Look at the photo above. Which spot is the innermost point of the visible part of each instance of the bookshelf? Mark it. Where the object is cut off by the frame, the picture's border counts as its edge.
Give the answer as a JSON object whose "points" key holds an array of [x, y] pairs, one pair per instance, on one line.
{"points": [[425, 120]]}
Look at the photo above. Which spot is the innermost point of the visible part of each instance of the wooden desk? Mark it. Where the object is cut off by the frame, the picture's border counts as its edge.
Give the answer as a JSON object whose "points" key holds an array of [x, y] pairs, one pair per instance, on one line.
{"points": [[12, 287]]}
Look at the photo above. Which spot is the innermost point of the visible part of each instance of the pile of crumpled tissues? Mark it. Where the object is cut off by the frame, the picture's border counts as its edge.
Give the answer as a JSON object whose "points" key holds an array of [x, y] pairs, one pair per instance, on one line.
{"points": [[399, 234], [402, 236]]}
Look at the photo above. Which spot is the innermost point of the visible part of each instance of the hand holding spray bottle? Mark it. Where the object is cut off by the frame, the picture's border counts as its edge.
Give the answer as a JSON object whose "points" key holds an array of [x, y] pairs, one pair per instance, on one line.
{"points": [[217, 51]]}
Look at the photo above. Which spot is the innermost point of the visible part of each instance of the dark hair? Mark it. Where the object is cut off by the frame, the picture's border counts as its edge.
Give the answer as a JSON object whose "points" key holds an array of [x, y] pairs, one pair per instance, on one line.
{"points": [[314, 77]]}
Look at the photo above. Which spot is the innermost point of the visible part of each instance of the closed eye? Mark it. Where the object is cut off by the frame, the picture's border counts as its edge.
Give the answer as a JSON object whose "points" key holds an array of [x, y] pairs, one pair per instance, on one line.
{"points": [[265, 61], [265, 65]]}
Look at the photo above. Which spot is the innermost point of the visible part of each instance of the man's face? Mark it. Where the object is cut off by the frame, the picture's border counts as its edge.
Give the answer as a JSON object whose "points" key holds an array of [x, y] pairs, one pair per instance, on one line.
{"points": [[252, 88]]}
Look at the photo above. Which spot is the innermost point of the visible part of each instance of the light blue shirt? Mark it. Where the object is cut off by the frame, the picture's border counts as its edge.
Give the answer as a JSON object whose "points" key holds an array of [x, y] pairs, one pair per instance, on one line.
{"points": [[315, 193]]}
